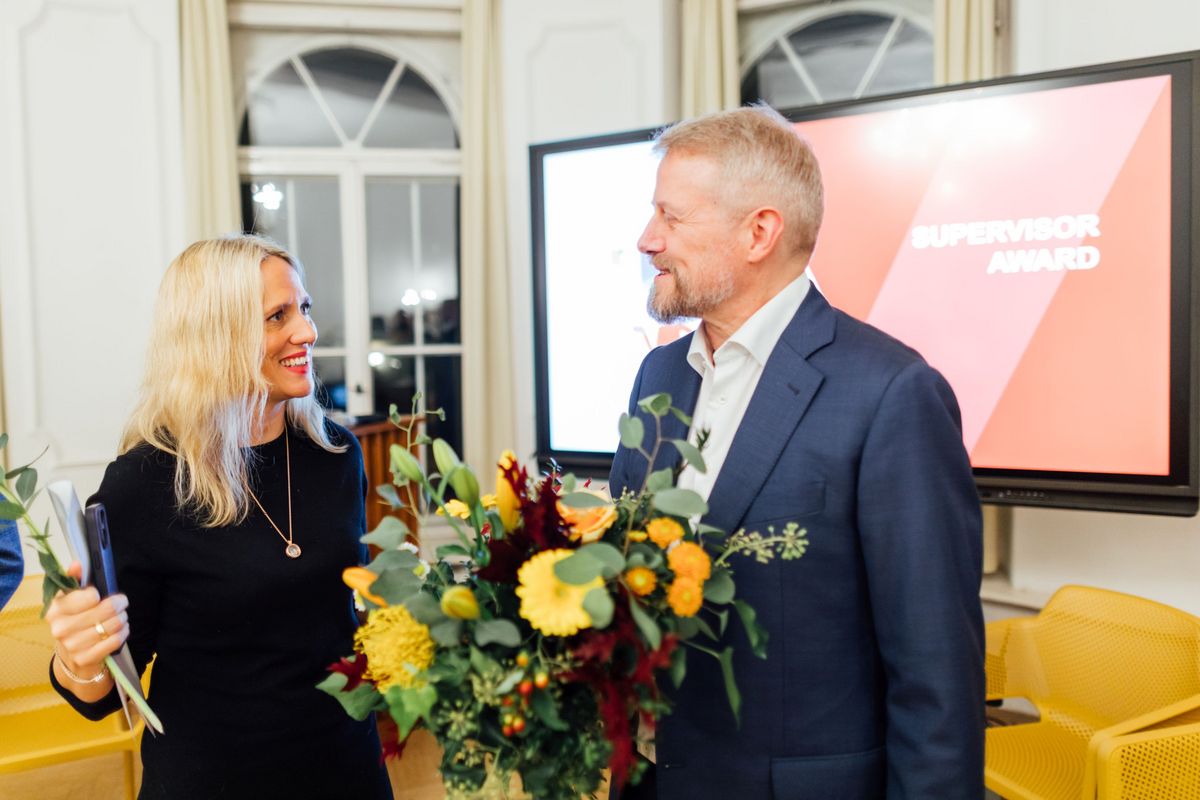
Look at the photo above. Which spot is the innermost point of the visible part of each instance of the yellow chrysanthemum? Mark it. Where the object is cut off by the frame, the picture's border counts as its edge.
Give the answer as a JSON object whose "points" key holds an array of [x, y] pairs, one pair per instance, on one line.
{"points": [[637, 536], [507, 504], [552, 606], [688, 560], [664, 530], [396, 646], [641, 581], [685, 596], [456, 508]]}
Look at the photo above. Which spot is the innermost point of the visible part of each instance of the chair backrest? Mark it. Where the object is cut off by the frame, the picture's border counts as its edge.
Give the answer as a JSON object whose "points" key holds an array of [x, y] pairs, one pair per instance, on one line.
{"points": [[25, 651], [1115, 656]]}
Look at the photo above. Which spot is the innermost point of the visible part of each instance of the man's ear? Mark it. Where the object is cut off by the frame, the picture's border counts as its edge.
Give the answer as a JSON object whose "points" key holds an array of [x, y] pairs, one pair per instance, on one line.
{"points": [[765, 229]]}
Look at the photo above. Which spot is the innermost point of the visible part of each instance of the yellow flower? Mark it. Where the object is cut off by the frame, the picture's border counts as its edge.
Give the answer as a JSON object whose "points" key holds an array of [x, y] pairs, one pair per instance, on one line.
{"points": [[552, 606], [588, 524], [664, 530], [459, 602], [685, 597], [507, 504], [641, 581], [360, 579], [397, 647], [688, 560], [637, 536], [488, 500], [456, 508]]}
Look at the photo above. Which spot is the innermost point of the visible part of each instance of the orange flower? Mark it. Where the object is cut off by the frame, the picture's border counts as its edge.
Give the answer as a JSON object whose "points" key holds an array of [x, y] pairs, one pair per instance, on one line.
{"points": [[588, 524], [664, 530], [360, 579], [637, 536], [688, 560], [685, 597], [641, 581]]}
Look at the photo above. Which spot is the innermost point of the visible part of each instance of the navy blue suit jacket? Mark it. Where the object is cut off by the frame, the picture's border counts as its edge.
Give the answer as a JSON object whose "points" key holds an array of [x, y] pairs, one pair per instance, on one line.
{"points": [[874, 681], [12, 565]]}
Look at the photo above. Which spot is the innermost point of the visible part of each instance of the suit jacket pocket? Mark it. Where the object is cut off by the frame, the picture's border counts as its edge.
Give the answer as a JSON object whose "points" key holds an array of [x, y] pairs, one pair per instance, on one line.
{"points": [[849, 776], [784, 503]]}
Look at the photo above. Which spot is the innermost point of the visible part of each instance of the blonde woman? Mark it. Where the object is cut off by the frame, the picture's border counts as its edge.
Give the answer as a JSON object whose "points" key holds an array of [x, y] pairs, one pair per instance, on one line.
{"points": [[234, 507]]}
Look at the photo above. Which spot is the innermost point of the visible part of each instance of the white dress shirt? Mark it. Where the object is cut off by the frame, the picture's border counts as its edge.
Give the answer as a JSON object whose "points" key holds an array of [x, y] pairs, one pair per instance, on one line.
{"points": [[728, 381]]}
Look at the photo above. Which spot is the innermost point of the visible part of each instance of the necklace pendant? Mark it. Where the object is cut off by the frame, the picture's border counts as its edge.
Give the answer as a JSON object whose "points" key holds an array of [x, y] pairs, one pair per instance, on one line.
{"points": [[292, 550]]}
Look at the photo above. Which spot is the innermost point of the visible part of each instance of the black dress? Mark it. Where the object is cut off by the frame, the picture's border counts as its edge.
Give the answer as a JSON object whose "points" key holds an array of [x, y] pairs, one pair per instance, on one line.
{"points": [[243, 633]]}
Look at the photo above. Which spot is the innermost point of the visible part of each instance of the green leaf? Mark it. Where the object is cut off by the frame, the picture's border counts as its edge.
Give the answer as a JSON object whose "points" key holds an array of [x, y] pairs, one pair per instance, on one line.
{"points": [[359, 702], [632, 431], [447, 632], [645, 624], [425, 608], [643, 555], [656, 404], [500, 631], [10, 510], [3, 440], [610, 558], [547, 711], [660, 479], [444, 456], [408, 706], [731, 689], [678, 666], [722, 621], [682, 417], [395, 559], [404, 464], [719, 588], [755, 632], [388, 492], [26, 484], [465, 484], [711, 531], [690, 453], [482, 663], [578, 568], [598, 604], [569, 482], [705, 628], [452, 550], [509, 683], [389, 534], [582, 500], [688, 627], [680, 503], [395, 586]]}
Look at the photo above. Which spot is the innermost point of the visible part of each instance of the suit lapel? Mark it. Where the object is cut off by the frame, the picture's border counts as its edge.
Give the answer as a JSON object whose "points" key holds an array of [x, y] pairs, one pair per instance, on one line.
{"points": [[683, 384], [784, 392]]}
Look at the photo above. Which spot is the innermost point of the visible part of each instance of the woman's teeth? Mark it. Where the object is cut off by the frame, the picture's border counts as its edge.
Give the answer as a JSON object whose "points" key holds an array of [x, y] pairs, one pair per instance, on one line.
{"points": [[295, 362]]}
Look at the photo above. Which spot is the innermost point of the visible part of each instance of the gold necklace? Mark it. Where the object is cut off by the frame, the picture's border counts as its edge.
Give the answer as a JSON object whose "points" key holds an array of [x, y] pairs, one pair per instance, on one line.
{"points": [[292, 550]]}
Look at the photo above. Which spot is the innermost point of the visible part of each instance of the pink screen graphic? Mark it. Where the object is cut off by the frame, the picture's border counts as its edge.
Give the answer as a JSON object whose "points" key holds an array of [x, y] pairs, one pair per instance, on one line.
{"points": [[1021, 243]]}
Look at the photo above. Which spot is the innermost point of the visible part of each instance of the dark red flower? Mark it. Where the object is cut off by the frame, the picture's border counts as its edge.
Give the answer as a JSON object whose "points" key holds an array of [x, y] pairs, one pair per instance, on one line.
{"points": [[352, 669]]}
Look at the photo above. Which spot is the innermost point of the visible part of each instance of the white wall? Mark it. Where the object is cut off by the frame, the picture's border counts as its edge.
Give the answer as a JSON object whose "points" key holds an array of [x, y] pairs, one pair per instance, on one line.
{"points": [[90, 214], [1156, 557]]}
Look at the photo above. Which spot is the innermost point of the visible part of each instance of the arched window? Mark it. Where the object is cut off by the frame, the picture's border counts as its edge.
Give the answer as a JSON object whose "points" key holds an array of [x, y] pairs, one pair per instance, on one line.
{"points": [[838, 51], [350, 159]]}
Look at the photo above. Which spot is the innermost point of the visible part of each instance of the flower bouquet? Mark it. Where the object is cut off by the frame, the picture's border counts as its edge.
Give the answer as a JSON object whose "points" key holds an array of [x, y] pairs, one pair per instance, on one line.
{"points": [[533, 646]]}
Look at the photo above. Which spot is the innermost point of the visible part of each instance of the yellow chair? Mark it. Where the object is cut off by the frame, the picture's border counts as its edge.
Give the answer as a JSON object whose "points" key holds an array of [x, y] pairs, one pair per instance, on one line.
{"points": [[1116, 681], [37, 727]]}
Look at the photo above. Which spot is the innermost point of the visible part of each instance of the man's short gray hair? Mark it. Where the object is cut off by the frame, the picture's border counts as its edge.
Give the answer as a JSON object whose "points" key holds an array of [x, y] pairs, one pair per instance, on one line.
{"points": [[763, 161]]}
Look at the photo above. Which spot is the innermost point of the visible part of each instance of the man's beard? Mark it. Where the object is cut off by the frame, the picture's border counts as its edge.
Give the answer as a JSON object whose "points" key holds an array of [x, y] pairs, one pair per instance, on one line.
{"points": [[691, 298]]}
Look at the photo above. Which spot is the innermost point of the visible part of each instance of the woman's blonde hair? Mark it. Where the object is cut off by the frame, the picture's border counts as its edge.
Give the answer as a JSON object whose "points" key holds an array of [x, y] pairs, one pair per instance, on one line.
{"points": [[204, 394]]}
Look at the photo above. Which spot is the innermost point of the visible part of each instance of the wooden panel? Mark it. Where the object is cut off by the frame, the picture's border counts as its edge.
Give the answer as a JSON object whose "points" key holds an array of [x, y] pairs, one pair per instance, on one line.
{"points": [[376, 439]]}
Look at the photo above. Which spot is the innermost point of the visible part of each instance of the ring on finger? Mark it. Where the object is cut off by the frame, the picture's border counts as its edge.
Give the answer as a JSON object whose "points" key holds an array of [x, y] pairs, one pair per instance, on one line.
{"points": [[101, 631]]}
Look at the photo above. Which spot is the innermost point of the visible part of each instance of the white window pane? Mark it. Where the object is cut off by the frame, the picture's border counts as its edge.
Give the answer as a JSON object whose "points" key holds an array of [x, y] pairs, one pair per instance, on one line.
{"points": [[908, 63], [414, 116], [350, 80], [774, 79], [283, 112], [836, 51], [393, 285]]}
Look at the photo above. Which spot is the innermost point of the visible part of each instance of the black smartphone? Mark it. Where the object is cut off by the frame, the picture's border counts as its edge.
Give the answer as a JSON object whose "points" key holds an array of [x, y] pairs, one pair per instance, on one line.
{"points": [[99, 544]]}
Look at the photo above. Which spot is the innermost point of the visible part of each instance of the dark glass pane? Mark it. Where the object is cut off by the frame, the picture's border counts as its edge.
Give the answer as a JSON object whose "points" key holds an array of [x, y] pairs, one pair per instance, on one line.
{"points": [[414, 116], [331, 381], [282, 112], [393, 285], [836, 51], [439, 262], [443, 389], [908, 63], [774, 79], [350, 81], [395, 380], [304, 215]]}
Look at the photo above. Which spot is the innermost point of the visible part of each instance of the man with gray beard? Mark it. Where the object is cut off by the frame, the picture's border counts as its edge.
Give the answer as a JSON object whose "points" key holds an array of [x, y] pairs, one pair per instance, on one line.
{"points": [[873, 685]]}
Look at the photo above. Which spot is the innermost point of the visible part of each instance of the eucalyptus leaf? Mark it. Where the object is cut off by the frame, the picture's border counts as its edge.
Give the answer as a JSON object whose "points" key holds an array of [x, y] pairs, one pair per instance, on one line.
{"points": [[582, 500], [360, 702], [389, 534], [10, 510], [645, 555], [509, 683], [681, 416], [3, 440], [408, 706], [660, 479], [26, 484], [452, 550], [755, 632], [547, 711], [396, 586], [656, 404], [610, 558], [447, 632], [678, 666], [632, 431], [646, 625], [690, 453], [705, 628], [688, 627], [389, 494], [500, 631], [578, 568], [731, 689], [680, 503], [569, 482], [719, 588], [598, 604], [395, 559], [424, 608]]}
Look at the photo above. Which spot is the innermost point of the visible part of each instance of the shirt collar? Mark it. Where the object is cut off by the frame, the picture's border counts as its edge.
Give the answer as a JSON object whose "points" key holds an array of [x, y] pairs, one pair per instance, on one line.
{"points": [[760, 333]]}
